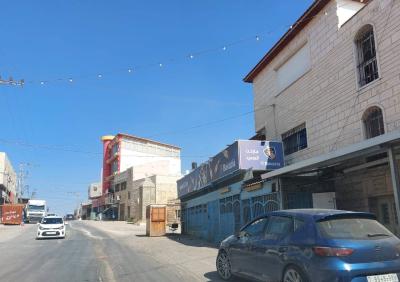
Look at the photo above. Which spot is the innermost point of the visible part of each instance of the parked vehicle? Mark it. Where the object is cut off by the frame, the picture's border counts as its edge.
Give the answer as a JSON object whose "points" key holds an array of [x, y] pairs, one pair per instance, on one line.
{"points": [[51, 227], [36, 210], [12, 214], [312, 245], [69, 217]]}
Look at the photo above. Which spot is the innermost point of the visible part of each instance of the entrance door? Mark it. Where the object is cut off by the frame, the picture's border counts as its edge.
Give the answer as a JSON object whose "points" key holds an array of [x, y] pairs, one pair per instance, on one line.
{"points": [[387, 213], [122, 212]]}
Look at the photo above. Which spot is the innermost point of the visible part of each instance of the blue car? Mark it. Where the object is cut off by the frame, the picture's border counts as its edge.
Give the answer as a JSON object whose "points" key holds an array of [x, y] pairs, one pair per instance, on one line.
{"points": [[312, 245]]}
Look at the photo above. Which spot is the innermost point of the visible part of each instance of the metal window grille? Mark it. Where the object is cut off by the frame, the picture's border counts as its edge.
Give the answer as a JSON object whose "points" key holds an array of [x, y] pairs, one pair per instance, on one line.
{"points": [[367, 64], [374, 123], [295, 139]]}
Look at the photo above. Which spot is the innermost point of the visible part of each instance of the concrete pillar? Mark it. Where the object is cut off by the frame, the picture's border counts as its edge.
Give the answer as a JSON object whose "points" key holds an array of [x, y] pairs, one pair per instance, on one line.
{"points": [[394, 172]]}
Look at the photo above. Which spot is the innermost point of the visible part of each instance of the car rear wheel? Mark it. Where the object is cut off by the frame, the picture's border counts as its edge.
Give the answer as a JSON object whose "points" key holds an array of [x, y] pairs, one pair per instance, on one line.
{"points": [[224, 266], [294, 274]]}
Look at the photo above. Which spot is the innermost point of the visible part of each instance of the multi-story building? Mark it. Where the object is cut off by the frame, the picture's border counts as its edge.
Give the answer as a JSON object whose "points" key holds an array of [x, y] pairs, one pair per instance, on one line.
{"points": [[329, 89], [8, 180], [128, 161]]}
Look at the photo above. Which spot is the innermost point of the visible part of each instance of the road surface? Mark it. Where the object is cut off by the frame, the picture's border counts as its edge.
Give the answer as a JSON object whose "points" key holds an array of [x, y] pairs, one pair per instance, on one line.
{"points": [[87, 254]]}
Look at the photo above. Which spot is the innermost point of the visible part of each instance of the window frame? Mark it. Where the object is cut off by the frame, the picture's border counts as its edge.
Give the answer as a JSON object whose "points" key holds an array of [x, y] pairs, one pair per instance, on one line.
{"points": [[367, 124], [357, 51], [298, 133]]}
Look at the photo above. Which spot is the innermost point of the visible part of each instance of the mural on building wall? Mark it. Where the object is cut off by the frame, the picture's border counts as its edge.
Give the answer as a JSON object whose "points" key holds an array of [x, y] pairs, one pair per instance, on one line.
{"points": [[244, 154]]}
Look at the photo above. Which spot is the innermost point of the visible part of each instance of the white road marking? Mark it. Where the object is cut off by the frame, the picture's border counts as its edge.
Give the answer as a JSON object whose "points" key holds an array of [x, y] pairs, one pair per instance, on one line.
{"points": [[87, 233]]}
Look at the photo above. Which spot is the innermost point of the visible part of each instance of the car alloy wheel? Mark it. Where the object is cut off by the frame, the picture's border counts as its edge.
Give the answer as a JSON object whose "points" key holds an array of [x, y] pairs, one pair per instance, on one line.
{"points": [[224, 266], [293, 275]]}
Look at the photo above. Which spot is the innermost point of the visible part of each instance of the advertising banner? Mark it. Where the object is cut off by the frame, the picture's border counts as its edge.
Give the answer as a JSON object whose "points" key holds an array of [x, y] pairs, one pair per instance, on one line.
{"points": [[261, 155], [241, 155]]}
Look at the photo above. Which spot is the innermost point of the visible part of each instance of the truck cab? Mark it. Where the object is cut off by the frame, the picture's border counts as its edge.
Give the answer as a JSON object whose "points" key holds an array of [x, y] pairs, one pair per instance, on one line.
{"points": [[36, 210]]}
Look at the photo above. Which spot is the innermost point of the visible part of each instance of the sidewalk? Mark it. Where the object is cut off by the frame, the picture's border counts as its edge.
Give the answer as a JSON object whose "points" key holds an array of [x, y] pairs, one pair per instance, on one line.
{"points": [[193, 255], [8, 232]]}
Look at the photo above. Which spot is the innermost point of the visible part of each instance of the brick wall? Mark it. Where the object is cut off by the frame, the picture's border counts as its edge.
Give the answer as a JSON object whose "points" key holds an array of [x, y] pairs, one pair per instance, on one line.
{"points": [[327, 97]]}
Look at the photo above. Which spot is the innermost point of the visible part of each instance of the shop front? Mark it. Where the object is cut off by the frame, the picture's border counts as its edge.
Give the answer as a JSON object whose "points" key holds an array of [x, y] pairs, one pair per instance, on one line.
{"points": [[361, 177], [225, 193]]}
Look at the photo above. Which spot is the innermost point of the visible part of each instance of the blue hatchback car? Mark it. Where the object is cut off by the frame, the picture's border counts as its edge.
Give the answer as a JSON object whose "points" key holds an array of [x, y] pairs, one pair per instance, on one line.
{"points": [[312, 245]]}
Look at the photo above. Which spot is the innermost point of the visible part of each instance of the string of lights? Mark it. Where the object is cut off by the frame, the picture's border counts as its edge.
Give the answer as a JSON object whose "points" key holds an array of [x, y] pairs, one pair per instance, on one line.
{"points": [[163, 63]]}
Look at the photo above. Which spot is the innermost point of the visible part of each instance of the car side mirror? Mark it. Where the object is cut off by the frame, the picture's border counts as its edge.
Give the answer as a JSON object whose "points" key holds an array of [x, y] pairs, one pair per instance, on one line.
{"points": [[37, 223], [66, 223]]}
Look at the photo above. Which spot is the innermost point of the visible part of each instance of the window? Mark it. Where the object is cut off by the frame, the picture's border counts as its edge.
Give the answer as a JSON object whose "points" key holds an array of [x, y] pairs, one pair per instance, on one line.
{"points": [[123, 186], [352, 228], [129, 195], [366, 56], [296, 66], [256, 228], [129, 212], [295, 139], [117, 187], [373, 122], [279, 226]]}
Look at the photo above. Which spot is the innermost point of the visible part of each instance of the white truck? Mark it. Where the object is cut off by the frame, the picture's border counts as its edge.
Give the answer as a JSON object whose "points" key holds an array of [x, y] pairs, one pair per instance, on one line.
{"points": [[36, 210]]}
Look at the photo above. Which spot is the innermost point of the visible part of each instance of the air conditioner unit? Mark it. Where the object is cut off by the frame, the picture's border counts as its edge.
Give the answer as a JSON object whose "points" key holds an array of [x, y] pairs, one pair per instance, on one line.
{"points": [[118, 198]]}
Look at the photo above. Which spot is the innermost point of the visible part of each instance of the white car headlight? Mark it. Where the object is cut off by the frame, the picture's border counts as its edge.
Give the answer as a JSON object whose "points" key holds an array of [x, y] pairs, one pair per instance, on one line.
{"points": [[41, 228]]}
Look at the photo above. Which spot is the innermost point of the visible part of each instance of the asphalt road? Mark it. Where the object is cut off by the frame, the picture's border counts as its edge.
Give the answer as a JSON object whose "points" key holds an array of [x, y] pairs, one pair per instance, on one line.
{"points": [[86, 254]]}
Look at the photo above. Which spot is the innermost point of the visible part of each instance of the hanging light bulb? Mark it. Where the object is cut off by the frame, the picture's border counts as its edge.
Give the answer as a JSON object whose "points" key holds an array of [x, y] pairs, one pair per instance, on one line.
{"points": [[42, 82], [224, 48], [160, 64], [129, 70], [258, 38], [70, 80], [99, 75], [191, 56]]}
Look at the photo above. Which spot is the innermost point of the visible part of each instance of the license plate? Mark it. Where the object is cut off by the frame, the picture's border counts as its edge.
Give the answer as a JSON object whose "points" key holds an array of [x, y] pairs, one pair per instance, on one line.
{"points": [[51, 233], [383, 278]]}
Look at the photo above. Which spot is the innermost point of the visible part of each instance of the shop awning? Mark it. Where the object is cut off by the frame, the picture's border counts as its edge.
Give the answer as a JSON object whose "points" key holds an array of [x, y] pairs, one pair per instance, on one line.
{"points": [[368, 147]]}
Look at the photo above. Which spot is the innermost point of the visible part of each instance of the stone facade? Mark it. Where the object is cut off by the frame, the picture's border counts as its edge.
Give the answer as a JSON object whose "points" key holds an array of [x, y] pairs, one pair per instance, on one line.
{"points": [[139, 193]]}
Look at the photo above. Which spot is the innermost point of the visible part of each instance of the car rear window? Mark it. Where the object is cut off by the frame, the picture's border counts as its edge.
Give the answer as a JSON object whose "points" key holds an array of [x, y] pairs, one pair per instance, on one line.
{"points": [[54, 220], [352, 228]]}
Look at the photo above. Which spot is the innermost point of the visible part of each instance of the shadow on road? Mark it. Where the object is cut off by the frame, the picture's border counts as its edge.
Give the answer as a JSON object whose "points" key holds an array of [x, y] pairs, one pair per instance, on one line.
{"points": [[190, 241], [214, 277]]}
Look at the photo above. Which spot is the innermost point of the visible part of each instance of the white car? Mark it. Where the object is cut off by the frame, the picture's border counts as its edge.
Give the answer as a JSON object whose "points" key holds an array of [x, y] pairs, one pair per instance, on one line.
{"points": [[51, 227]]}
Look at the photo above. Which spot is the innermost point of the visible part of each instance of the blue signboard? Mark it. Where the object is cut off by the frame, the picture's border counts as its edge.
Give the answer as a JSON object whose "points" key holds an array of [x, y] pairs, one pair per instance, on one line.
{"points": [[260, 155], [241, 155]]}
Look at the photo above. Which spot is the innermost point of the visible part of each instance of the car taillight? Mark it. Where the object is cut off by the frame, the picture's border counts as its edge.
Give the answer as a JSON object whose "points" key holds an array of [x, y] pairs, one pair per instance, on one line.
{"points": [[332, 252]]}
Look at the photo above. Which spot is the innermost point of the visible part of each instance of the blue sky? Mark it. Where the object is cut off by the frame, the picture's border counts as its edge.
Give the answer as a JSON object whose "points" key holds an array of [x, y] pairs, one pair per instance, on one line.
{"points": [[47, 40]]}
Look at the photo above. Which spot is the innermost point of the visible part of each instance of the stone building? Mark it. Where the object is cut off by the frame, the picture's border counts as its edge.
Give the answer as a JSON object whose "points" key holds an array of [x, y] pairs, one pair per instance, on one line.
{"points": [[329, 89], [137, 172]]}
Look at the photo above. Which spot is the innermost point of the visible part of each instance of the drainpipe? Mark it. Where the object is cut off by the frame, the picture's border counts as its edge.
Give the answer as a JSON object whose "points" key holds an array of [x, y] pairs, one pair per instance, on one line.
{"points": [[394, 172]]}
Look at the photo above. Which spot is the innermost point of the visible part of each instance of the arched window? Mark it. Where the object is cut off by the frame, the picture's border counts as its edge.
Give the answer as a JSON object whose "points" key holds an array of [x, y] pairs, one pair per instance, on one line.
{"points": [[367, 65], [373, 122]]}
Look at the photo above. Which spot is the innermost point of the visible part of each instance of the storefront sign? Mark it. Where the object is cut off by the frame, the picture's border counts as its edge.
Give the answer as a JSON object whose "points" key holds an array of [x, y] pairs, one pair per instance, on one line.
{"points": [[241, 155]]}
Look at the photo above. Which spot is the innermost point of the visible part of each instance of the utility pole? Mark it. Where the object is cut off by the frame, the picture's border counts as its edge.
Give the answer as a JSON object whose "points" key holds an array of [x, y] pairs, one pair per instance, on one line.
{"points": [[78, 197], [12, 82]]}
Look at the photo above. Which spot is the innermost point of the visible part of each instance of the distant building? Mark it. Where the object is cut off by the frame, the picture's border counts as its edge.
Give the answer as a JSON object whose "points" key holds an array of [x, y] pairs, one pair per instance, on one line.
{"points": [[129, 159], [8, 180]]}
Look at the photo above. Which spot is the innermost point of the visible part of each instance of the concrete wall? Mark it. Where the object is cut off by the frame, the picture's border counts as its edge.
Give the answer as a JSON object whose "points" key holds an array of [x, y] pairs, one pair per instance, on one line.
{"points": [[327, 98]]}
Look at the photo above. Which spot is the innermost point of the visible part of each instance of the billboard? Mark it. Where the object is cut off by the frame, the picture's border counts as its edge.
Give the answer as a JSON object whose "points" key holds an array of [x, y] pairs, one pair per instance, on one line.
{"points": [[260, 155], [241, 155]]}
